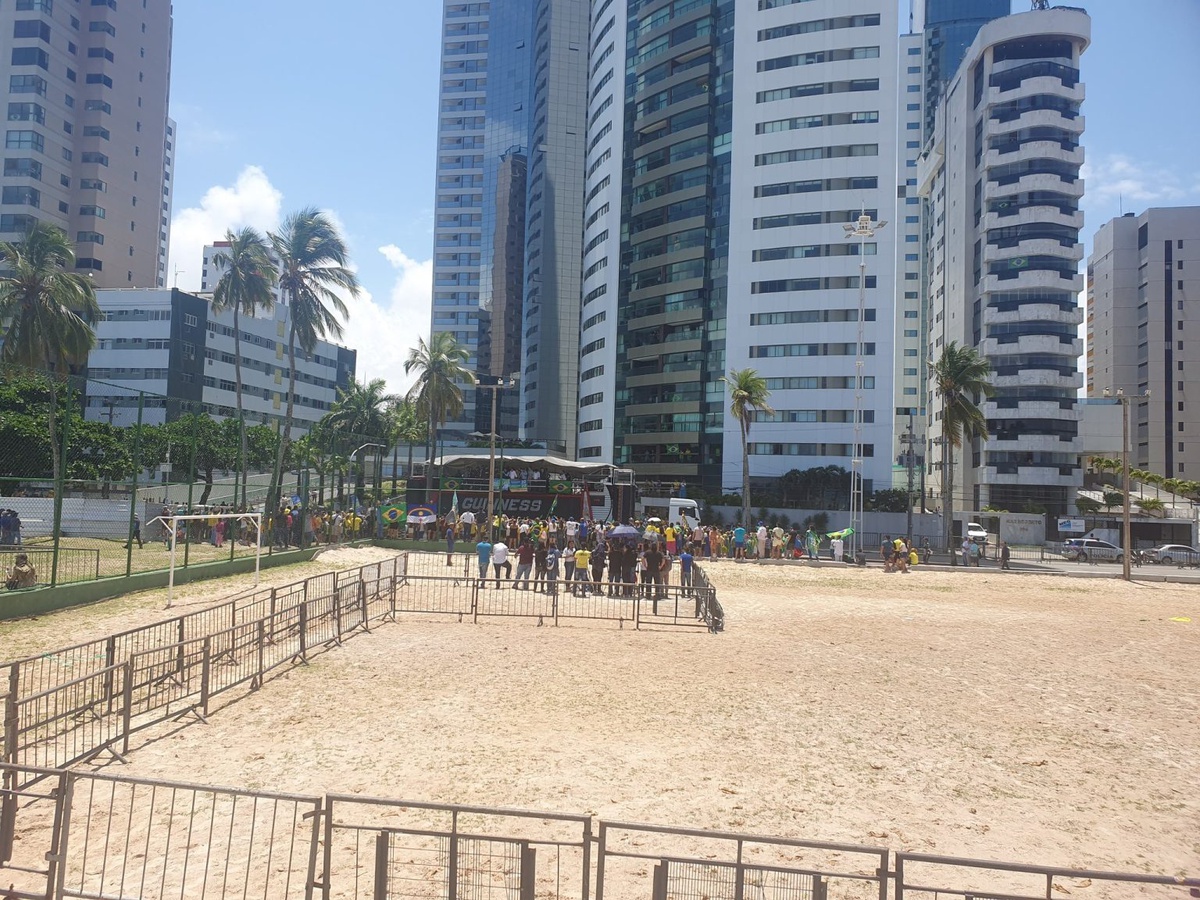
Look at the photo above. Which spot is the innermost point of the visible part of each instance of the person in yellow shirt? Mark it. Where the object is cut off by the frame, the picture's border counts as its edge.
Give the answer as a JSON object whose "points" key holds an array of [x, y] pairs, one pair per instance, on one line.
{"points": [[583, 560]]}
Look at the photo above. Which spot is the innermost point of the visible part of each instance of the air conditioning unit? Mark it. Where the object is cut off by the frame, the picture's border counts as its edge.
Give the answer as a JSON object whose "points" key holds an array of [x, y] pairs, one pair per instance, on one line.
{"points": [[622, 476]]}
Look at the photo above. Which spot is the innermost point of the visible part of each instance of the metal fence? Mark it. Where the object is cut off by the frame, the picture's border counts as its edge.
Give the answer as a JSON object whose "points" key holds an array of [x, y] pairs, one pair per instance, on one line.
{"points": [[86, 507], [93, 835], [70, 704]]}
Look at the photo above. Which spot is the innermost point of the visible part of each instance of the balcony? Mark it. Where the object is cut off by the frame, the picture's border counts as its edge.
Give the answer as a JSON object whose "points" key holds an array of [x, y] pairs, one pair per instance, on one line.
{"points": [[1028, 409], [1032, 443], [1042, 344], [1034, 118], [1037, 377], [1032, 247], [1032, 278], [1033, 312], [1053, 476], [1062, 151], [1031, 215], [662, 437], [674, 314], [1040, 84], [666, 407], [1038, 181]]}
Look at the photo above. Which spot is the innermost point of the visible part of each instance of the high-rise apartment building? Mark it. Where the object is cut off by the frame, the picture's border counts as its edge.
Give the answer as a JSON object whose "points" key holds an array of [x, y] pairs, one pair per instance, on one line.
{"points": [[940, 31], [510, 133], [170, 344], [88, 143], [744, 138], [1000, 172], [1143, 332]]}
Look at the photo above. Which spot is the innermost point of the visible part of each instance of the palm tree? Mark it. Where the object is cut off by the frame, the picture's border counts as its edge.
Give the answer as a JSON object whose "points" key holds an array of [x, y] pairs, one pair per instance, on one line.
{"points": [[361, 411], [49, 310], [436, 393], [961, 377], [748, 395], [407, 426], [1157, 480], [1150, 505], [247, 285], [313, 262]]}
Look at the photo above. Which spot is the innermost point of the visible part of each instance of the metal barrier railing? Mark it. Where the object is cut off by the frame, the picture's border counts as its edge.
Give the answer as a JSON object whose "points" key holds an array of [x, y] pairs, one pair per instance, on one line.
{"points": [[86, 835]]}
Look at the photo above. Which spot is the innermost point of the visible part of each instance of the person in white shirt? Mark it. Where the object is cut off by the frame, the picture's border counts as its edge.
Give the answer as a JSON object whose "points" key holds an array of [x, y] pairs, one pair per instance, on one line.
{"points": [[500, 561], [572, 528], [762, 540]]}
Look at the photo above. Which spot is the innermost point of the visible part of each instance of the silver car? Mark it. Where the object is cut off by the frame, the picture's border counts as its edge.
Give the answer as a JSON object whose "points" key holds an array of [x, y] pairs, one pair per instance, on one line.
{"points": [[1174, 553], [1084, 549]]}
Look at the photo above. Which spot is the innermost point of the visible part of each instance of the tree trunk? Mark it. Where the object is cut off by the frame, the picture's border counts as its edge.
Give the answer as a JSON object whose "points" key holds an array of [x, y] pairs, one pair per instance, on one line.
{"points": [[208, 486], [948, 498], [745, 476], [237, 368]]}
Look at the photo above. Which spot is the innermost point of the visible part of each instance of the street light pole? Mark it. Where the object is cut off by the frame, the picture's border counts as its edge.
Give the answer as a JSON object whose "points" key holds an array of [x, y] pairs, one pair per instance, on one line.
{"points": [[863, 229], [500, 384], [1126, 528]]}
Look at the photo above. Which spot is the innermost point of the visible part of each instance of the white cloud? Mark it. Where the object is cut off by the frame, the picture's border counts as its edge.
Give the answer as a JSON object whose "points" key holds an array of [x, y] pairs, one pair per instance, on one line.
{"points": [[1116, 177], [250, 200], [383, 331]]}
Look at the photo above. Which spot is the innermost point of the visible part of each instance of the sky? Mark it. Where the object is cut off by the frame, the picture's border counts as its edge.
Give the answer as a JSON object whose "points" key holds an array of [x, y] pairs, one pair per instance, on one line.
{"points": [[282, 104]]}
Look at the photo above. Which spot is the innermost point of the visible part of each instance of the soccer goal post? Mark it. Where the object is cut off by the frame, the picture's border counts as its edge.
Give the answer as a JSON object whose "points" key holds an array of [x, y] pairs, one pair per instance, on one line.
{"points": [[173, 521]]}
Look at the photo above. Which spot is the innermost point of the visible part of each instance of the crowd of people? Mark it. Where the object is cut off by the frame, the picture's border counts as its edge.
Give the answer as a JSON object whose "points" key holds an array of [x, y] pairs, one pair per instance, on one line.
{"points": [[10, 528]]}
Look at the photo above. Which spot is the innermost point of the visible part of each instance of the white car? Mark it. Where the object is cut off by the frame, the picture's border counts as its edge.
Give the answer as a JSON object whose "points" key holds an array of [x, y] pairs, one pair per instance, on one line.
{"points": [[977, 533]]}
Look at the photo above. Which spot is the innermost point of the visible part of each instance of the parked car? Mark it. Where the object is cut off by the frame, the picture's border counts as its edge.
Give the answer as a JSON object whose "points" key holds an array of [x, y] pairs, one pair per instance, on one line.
{"points": [[1173, 553], [977, 533], [1083, 549]]}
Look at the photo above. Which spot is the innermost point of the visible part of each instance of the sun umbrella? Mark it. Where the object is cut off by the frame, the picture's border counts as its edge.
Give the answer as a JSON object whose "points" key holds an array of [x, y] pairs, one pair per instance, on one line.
{"points": [[625, 531]]}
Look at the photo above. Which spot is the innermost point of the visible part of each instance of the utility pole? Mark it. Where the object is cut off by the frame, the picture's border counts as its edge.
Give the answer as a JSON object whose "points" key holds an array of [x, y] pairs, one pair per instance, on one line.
{"points": [[908, 439]]}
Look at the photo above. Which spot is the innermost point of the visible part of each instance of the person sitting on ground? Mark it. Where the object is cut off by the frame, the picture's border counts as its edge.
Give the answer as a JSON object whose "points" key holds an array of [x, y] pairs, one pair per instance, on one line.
{"points": [[22, 574]]}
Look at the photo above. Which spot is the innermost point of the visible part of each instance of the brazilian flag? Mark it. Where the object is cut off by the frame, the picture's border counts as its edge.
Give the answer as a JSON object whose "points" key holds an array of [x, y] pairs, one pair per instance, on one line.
{"points": [[394, 513], [560, 486], [452, 483]]}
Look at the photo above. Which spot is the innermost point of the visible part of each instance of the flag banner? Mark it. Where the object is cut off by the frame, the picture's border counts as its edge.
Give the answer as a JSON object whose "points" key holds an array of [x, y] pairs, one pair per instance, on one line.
{"points": [[451, 483], [501, 484], [517, 486], [561, 486], [393, 513], [839, 535], [421, 515], [587, 506], [553, 506], [454, 503]]}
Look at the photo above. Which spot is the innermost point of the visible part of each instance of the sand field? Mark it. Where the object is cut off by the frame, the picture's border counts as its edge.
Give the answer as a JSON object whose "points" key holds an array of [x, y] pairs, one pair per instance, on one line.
{"points": [[983, 714]]}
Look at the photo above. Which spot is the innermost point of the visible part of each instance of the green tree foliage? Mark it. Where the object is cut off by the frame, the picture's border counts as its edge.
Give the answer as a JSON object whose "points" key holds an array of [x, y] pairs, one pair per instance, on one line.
{"points": [[748, 395], [889, 500]]}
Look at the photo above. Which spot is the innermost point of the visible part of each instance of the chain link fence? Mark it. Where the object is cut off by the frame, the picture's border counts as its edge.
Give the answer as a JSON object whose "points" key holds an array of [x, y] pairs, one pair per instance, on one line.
{"points": [[90, 469]]}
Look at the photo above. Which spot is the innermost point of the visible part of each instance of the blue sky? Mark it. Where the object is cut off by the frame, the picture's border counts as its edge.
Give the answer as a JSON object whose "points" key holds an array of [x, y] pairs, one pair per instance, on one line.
{"points": [[288, 103]]}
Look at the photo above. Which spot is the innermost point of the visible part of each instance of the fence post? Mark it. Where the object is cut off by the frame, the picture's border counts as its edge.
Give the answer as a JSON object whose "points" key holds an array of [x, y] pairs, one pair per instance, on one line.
{"points": [[10, 714], [110, 659], [187, 528], [179, 657], [587, 857], [133, 484], [600, 861], [262, 639], [60, 483], [304, 624], [637, 611], [127, 701], [10, 803], [362, 602], [452, 866], [474, 605], [205, 675], [56, 870], [898, 891], [337, 611], [272, 615], [381, 866]]}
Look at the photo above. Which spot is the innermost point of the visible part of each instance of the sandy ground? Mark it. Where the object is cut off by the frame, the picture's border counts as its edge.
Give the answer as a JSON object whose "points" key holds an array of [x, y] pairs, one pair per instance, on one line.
{"points": [[991, 715], [1007, 717], [20, 638]]}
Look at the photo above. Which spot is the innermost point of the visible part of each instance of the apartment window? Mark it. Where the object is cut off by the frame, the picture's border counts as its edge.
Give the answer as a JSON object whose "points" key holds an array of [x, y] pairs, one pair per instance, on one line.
{"points": [[92, 156], [26, 112], [189, 319], [87, 262], [25, 140], [104, 27], [95, 131], [94, 78], [93, 184], [45, 6], [98, 106], [27, 84], [32, 28], [31, 56], [91, 210], [89, 237], [23, 168], [20, 224], [100, 53], [111, 4], [22, 196]]}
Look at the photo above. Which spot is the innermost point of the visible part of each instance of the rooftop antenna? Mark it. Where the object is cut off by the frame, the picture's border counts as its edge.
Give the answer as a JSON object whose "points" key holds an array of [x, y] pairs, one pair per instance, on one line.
{"points": [[177, 274]]}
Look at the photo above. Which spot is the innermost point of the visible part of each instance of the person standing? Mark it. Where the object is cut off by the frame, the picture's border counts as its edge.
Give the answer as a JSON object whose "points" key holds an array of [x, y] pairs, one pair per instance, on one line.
{"points": [[761, 534], [552, 558], [500, 561], [1005, 555], [484, 550], [686, 560], [540, 556], [599, 558], [450, 544], [583, 559], [524, 564], [739, 542], [653, 561], [965, 550]]}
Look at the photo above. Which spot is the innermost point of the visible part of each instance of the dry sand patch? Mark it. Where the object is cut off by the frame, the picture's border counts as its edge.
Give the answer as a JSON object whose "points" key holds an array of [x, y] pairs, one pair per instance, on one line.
{"points": [[983, 714]]}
